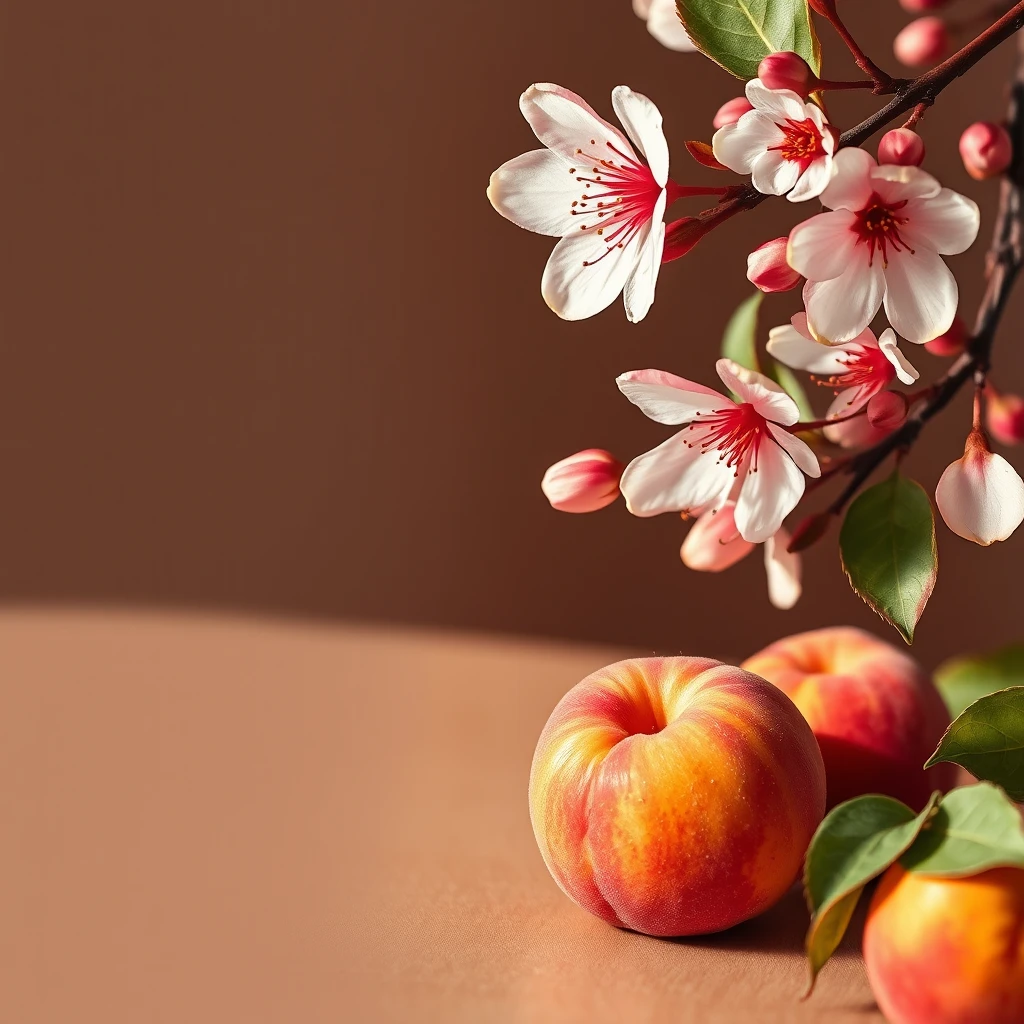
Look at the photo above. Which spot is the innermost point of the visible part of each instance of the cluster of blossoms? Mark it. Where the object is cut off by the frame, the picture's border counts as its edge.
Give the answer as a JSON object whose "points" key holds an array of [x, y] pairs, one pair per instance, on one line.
{"points": [[739, 465]]}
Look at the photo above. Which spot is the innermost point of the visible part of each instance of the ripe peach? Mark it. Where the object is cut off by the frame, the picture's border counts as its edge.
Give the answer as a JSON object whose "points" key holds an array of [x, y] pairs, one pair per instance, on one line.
{"points": [[675, 796], [947, 950], [876, 714]]}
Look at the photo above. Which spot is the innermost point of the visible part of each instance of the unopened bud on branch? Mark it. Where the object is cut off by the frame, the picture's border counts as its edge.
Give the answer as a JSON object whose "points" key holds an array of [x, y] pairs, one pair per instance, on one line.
{"points": [[1004, 416], [767, 267], [920, 6], [810, 531], [731, 111], [583, 482], [887, 410], [787, 71], [980, 497], [951, 343], [985, 149], [901, 146], [922, 42]]}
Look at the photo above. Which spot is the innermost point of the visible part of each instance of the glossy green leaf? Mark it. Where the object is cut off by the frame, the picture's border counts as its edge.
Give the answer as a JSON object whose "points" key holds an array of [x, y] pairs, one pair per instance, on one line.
{"points": [[988, 740], [739, 342], [961, 681], [856, 842], [738, 34], [975, 828], [887, 544]]}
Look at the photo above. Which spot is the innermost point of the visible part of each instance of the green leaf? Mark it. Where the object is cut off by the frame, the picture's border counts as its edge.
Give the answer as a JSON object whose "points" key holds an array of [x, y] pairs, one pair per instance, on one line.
{"points": [[887, 544], [787, 380], [988, 740], [856, 842], [739, 342], [975, 828], [961, 681], [738, 34]]}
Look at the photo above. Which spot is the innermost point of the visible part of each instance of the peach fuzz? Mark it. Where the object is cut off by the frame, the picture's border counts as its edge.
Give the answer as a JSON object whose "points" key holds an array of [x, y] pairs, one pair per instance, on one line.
{"points": [[876, 714], [947, 950], [675, 796]]}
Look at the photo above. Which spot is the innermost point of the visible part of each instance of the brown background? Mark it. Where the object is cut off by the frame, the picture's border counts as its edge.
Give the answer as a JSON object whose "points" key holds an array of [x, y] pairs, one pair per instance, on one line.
{"points": [[266, 346]]}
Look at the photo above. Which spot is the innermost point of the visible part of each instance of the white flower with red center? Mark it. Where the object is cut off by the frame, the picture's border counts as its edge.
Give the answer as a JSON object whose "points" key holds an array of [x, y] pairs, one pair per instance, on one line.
{"points": [[856, 370], [882, 243], [591, 188], [663, 23], [784, 144], [726, 450], [714, 543]]}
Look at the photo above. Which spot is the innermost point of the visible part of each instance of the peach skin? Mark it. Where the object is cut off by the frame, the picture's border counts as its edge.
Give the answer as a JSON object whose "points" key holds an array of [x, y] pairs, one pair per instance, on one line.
{"points": [[875, 712], [947, 950], [675, 796]]}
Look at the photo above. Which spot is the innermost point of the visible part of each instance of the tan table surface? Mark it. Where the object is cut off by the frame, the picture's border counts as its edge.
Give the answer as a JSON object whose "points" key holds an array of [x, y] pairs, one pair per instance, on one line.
{"points": [[242, 820]]}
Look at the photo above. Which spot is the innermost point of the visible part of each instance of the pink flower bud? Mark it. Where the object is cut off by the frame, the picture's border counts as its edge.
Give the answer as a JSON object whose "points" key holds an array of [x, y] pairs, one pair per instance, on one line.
{"points": [[980, 497], [922, 42], [767, 267], [1004, 416], [714, 543], [731, 111], [985, 149], [787, 71], [901, 146], [887, 410], [920, 6], [951, 343], [681, 236], [583, 482]]}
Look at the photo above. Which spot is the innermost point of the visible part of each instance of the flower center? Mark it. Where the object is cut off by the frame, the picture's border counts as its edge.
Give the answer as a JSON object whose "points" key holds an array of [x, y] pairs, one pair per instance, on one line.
{"points": [[735, 434], [878, 225], [619, 197], [802, 142], [867, 370]]}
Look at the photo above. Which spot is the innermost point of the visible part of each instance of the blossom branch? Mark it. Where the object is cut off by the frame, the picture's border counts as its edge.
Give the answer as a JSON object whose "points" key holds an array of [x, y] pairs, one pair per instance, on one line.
{"points": [[918, 94], [1003, 263]]}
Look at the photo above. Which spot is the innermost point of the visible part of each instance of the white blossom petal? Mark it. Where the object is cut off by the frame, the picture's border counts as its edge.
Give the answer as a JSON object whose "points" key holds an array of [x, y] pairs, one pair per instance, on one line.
{"points": [[643, 123], [713, 542], [890, 349], [767, 398], [947, 223], [821, 247], [666, 398], [920, 295], [738, 145], [663, 23], [677, 476], [813, 181], [981, 497], [535, 191], [580, 280], [769, 494], [638, 294], [565, 122], [791, 348], [847, 401], [778, 104], [783, 570], [772, 174], [840, 308], [897, 183], [850, 187], [797, 449]]}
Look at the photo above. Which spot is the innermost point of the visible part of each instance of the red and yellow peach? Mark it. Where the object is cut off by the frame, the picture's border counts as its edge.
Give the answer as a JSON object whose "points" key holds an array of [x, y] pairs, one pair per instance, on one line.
{"points": [[947, 950], [675, 796], [875, 713]]}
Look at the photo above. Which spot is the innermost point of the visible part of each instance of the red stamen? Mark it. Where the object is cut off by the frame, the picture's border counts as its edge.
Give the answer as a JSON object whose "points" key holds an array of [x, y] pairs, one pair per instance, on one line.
{"points": [[736, 434], [878, 226], [802, 142], [867, 370]]}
